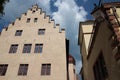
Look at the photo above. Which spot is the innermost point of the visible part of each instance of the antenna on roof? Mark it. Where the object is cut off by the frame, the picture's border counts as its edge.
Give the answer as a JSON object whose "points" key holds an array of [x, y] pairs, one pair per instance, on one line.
{"points": [[100, 2]]}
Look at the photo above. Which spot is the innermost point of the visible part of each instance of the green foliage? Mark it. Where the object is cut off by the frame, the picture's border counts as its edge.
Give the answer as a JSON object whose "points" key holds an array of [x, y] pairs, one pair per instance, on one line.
{"points": [[2, 4]]}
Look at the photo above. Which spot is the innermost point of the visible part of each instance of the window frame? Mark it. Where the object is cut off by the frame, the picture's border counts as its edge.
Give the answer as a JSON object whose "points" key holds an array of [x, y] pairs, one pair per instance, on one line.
{"points": [[35, 20], [3, 69], [13, 48], [18, 32], [41, 31], [23, 69], [38, 48], [28, 20], [46, 69], [33, 11], [27, 48]]}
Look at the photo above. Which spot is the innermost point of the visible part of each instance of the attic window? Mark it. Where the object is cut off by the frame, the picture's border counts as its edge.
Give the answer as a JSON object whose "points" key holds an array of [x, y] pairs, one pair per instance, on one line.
{"points": [[35, 19], [28, 20], [41, 31], [33, 11]]}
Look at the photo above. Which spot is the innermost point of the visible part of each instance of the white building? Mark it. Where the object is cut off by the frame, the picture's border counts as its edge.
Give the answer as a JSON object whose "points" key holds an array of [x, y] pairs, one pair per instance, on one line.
{"points": [[33, 48]]}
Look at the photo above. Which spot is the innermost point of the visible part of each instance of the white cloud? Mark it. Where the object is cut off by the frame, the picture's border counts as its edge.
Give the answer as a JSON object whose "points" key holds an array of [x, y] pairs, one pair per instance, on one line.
{"points": [[85, 0], [45, 5], [69, 15]]}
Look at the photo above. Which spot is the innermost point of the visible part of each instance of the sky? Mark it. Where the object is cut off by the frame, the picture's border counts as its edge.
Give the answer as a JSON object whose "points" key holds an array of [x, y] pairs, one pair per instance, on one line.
{"points": [[68, 13]]}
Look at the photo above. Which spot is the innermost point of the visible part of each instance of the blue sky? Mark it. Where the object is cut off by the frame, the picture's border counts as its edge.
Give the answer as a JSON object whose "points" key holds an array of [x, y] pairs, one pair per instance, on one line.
{"points": [[68, 13]]}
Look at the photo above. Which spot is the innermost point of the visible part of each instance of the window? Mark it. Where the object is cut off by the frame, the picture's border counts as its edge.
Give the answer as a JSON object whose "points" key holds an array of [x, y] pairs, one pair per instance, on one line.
{"points": [[18, 33], [23, 69], [33, 11], [38, 48], [41, 31], [27, 48], [35, 19], [100, 70], [28, 20], [3, 69], [46, 69], [13, 48]]}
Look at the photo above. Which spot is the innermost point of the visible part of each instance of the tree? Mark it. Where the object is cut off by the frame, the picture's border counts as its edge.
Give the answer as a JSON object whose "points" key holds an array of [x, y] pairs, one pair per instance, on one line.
{"points": [[2, 4]]}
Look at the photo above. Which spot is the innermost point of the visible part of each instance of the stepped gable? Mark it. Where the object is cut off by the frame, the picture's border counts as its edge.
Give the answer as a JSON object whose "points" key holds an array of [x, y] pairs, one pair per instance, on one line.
{"points": [[35, 10]]}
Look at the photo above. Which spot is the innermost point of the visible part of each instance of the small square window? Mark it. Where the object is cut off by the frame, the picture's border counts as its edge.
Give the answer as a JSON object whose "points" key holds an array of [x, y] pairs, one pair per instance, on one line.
{"points": [[23, 69], [3, 69], [38, 48], [35, 19], [13, 48], [33, 11], [28, 20], [46, 69], [41, 31], [27, 48], [18, 33]]}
